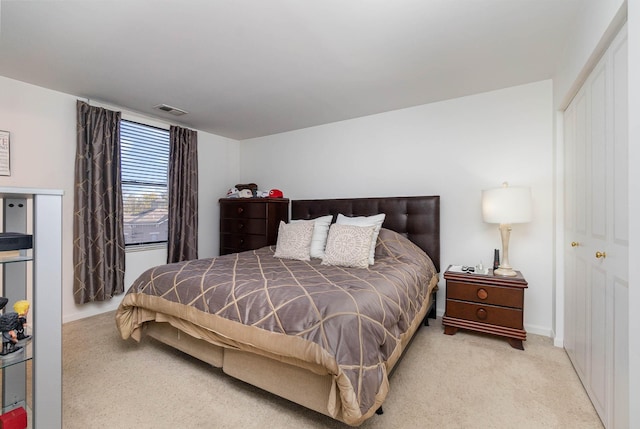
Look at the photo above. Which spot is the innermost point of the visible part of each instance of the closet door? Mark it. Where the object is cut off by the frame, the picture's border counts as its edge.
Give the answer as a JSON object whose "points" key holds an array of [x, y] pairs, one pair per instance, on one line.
{"points": [[596, 230]]}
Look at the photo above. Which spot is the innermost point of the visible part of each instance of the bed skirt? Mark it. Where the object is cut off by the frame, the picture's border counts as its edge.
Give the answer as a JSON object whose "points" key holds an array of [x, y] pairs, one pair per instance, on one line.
{"points": [[300, 382]]}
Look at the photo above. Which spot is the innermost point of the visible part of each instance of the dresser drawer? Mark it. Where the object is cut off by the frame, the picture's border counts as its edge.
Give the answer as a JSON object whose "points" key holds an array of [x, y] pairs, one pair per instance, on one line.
{"points": [[242, 242], [244, 226], [501, 316], [250, 223], [495, 295], [243, 210]]}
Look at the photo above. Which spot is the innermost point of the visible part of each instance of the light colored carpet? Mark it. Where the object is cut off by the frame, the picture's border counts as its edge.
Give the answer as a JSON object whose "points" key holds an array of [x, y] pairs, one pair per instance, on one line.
{"points": [[461, 381]]}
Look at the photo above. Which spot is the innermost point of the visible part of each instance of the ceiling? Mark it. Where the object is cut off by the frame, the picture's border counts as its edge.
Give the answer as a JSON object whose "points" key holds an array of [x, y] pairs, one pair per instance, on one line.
{"points": [[249, 68]]}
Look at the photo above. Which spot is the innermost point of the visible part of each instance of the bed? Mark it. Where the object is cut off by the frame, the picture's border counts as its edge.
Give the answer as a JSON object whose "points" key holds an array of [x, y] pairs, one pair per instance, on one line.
{"points": [[300, 329]]}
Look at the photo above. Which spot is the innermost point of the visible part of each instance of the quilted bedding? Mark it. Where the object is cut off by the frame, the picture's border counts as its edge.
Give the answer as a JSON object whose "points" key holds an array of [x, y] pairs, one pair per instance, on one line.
{"points": [[347, 322]]}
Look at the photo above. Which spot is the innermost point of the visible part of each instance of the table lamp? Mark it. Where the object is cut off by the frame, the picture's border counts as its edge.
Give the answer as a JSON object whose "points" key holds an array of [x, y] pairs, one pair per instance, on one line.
{"points": [[506, 205]]}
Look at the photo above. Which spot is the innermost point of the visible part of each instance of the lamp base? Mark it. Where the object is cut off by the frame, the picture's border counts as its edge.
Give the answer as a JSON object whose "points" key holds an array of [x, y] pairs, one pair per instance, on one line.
{"points": [[505, 272]]}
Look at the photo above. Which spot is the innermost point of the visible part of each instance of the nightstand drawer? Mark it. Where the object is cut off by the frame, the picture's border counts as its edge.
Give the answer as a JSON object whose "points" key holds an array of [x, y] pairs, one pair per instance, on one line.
{"points": [[243, 210], [509, 317], [495, 295], [242, 242], [244, 226]]}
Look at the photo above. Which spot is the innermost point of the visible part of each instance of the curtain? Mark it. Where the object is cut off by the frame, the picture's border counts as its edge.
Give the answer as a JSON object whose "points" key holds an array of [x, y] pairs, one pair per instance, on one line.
{"points": [[98, 235], [182, 242]]}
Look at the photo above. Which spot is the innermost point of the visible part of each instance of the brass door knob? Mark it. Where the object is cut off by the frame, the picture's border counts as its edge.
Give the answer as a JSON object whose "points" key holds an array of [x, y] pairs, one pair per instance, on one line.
{"points": [[574, 244], [601, 255]]}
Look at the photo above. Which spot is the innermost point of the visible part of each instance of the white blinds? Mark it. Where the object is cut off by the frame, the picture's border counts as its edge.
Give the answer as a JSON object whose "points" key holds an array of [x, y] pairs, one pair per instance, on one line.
{"points": [[144, 161]]}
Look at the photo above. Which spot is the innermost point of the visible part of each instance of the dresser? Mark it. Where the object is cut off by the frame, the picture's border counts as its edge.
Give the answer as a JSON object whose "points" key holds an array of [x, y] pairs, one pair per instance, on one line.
{"points": [[485, 303], [250, 223]]}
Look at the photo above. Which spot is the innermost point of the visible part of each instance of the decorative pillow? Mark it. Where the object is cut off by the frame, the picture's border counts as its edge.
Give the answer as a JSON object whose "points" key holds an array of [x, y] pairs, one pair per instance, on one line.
{"points": [[320, 233], [294, 240], [375, 220], [348, 246]]}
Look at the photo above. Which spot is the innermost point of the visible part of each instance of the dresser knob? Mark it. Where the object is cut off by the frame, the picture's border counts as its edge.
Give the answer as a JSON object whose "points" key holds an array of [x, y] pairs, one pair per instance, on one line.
{"points": [[482, 293], [481, 313], [241, 225], [240, 210]]}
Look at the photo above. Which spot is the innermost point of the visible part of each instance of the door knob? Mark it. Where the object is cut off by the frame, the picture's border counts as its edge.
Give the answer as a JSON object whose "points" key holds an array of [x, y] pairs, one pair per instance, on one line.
{"points": [[574, 244], [601, 255]]}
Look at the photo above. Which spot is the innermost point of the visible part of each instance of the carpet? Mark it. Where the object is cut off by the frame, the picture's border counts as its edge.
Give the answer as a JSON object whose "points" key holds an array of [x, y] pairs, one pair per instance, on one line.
{"points": [[466, 380]]}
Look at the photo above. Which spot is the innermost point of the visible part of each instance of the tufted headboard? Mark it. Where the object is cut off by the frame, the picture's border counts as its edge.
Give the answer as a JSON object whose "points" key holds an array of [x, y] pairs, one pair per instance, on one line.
{"points": [[417, 218]]}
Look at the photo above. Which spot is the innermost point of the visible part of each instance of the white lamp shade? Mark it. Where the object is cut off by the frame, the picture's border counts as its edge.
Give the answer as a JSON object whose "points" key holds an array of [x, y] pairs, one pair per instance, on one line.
{"points": [[507, 205]]}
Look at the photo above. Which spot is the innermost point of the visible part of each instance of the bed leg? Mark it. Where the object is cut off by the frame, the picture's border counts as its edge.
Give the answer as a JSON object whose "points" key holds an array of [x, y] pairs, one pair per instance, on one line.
{"points": [[379, 411], [432, 313]]}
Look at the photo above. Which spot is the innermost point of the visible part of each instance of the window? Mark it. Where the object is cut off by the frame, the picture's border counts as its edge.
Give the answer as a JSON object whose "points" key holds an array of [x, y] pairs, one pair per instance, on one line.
{"points": [[144, 154]]}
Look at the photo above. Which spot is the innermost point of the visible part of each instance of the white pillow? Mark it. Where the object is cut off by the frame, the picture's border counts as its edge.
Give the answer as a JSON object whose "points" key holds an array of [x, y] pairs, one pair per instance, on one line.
{"points": [[348, 246], [294, 241], [375, 220], [320, 233]]}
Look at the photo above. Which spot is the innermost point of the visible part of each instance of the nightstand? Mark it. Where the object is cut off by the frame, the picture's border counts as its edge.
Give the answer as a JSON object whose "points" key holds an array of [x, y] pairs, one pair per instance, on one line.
{"points": [[485, 303]]}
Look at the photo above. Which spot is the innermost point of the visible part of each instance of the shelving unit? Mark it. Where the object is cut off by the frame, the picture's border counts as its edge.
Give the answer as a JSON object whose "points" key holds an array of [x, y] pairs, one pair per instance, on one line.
{"points": [[32, 376]]}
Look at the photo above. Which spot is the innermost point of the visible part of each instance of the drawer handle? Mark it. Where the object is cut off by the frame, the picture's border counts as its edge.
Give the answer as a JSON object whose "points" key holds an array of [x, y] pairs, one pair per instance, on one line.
{"points": [[241, 225], [481, 313], [240, 209], [241, 241], [482, 293]]}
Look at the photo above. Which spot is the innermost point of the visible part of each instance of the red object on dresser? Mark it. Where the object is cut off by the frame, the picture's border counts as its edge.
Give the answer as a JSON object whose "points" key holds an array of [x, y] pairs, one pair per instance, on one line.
{"points": [[14, 419]]}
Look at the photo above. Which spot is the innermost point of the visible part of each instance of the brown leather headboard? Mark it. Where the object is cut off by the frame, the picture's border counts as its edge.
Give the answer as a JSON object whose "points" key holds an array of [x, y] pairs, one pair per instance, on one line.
{"points": [[417, 218]]}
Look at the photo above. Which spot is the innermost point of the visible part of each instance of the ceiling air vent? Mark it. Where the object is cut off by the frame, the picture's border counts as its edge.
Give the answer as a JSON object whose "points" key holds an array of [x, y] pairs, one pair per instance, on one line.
{"points": [[173, 110]]}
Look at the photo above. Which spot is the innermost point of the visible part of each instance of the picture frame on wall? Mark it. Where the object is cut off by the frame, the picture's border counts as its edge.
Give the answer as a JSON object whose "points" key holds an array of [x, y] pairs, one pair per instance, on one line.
{"points": [[5, 158]]}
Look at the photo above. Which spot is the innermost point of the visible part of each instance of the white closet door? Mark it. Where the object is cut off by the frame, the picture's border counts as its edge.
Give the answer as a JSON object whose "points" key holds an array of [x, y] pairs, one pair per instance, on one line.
{"points": [[619, 233], [596, 228]]}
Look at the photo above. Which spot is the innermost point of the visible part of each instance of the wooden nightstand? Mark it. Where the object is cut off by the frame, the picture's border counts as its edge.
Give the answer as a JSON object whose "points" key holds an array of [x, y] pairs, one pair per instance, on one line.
{"points": [[486, 303]]}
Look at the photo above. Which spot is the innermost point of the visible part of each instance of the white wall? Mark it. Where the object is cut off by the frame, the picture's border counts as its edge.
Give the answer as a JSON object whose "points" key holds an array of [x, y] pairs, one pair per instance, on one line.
{"points": [[43, 145], [453, 149]]}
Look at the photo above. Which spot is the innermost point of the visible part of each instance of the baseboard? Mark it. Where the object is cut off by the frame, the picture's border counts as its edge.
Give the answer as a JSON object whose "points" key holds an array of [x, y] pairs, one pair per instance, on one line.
{"points": [[558, 341], [91, 309]]}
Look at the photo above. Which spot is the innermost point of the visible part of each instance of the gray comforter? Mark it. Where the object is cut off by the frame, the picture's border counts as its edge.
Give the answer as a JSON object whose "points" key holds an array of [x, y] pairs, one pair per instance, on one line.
{"points": [[350, 321]]}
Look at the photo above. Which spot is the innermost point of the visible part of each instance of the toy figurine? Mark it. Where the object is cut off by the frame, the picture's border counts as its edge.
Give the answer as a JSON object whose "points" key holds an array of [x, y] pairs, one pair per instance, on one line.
{"points": [[22, 308], [12, 326]]}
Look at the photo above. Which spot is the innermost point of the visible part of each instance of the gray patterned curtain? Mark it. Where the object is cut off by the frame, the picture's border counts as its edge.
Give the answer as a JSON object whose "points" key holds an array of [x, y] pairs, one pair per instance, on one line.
{"points": [[182, 242], [98, 235]]}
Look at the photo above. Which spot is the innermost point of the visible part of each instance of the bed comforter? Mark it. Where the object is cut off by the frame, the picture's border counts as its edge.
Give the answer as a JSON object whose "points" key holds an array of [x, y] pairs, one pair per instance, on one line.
{"points": [[347, 322]]}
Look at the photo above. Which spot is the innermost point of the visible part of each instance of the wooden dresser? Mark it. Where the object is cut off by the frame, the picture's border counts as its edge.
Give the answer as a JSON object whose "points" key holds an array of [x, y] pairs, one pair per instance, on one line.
{"points": [[250, 223], [486, 303]]}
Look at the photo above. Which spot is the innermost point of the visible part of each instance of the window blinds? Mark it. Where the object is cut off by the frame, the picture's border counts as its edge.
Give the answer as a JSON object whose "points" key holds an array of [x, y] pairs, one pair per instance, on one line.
{"points": [[144, 161]]}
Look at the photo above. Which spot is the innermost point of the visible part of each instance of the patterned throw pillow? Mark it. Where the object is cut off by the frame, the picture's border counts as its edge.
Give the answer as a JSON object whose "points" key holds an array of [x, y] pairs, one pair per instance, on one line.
{"points": [[319, 237], [376, 220], [348, 246], [294, 241]]}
